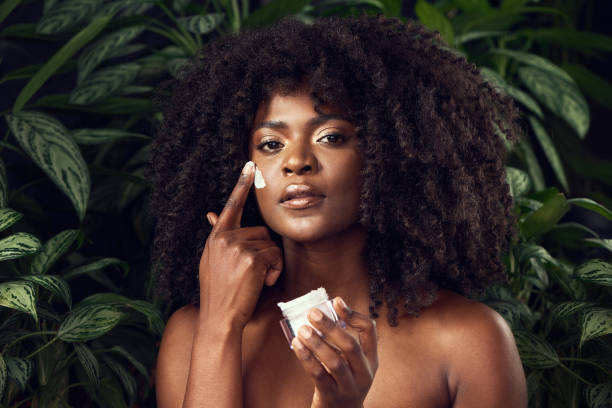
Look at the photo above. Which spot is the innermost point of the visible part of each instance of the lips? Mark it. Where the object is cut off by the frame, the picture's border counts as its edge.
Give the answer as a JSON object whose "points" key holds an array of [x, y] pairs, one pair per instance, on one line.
{"points": [[300, 191]]}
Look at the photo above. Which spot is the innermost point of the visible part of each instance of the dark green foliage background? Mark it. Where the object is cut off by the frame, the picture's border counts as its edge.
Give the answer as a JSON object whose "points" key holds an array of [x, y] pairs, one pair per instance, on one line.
{"points": [[79, 321]]}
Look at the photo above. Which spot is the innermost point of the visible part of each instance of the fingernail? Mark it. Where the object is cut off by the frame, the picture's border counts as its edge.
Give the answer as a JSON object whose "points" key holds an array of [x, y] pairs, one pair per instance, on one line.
{"points": [[297, 344], [305, 331], [344, 306], [316, 315], [248, 167]]}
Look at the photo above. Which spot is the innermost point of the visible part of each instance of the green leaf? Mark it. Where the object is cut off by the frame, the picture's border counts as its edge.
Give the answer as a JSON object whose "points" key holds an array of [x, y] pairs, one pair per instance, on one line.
{"points": [[100, 135], [175, 65], [54, 284], [518, 181], [8, 217], [113, 7], [494, 78], [127, 50], [101, 49], [477, 35], [18, 370], [6, 8], [50, 146], [545, 217], [512, 4], [58, 59], [599, 395], [89, 362], [570, 38], [593, 85], [513, 311], [561, 97], [137, 364], [96, 266], [595, 271], [103, 83], [532, 164], [550, 151], [3, 375], [565, 309], [534, 351], [595, 323], [3, 185], [52, 250], [535, 61], [19, 296], [531, 251], [473, 5], [602, 243], [591, 205], [274, 10], [433, 18], [128, 381], [201, 24], [88, 322], [65, 15], [18, 245]]}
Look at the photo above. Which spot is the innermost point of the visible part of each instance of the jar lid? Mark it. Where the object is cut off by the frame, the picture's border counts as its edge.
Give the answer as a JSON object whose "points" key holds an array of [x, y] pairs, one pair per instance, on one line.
{"points": [[303, 303]]}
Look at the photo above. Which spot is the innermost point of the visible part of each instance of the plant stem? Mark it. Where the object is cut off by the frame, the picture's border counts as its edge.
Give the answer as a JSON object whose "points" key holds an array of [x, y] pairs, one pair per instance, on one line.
{"points": [[583, 360], [40, 349], [38, 333], [575, 374], [74, 385]]}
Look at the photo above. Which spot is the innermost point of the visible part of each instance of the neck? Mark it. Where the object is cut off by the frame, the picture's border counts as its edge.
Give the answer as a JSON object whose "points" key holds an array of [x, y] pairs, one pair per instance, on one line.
{"points": [[336, 263]]}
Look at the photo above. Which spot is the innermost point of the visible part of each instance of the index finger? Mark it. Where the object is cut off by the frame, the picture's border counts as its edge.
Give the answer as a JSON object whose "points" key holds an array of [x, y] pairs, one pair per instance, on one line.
{"points": [[232, 212]]}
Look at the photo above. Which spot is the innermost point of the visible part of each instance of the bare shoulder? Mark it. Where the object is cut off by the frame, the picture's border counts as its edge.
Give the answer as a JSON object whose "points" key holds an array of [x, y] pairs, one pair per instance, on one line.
{"points": [[483, 363], [174, 356]]}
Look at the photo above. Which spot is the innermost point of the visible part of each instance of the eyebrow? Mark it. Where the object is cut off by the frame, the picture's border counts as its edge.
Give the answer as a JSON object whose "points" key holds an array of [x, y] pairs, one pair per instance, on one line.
{"points": [[316, 121]]}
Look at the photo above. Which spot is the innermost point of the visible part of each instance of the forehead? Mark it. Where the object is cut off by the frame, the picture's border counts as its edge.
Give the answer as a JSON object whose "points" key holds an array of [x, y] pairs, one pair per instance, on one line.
{"points": [[287, 106]]}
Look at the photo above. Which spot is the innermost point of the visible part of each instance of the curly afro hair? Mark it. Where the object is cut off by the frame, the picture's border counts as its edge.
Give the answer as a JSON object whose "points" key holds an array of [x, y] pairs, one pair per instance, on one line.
{"points": [[434, 200]]}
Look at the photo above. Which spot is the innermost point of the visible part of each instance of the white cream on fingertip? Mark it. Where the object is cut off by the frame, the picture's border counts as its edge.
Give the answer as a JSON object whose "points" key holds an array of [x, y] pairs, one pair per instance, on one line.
{"points": [[259, 180]]}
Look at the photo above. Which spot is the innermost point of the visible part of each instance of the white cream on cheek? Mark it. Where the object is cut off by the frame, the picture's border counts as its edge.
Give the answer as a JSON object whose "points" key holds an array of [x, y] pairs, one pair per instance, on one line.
{"points": [[259, 180]]}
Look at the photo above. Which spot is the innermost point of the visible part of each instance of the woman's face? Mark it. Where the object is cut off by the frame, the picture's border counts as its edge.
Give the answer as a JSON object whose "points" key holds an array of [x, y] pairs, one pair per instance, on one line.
{"points": [[297, 148]]}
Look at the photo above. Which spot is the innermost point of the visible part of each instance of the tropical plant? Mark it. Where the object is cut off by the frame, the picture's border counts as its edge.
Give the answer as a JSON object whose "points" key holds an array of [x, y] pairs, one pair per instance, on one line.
{"points": [[78, 132]]}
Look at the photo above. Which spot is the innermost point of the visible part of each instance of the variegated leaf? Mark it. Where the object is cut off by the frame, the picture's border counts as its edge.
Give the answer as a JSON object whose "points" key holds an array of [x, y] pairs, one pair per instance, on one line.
{"points": [[48, 4], [599, 395], [18, 245], [129, 190], [527, 251], [88, 322], [101, 49], [89, 362], [533, 166], [561, 97], [20, 296], [595, 323], [127, 50], [514, 312], [537, 62], [518, 181], [535, 352], [565, 309], [137, 9], [179, 5], [113, 7], [50, 146], [66, 14], [99, 136], [137, 364], [591, 205], [497, 80], [603, 243], [550, 151], [201, 24], [595, 271], [52, 250], [3, 375], [128, 381], [54, 284], [8, 217], [542, 280], [96, 266], [18, 370], [3, 186], [103, 83]]}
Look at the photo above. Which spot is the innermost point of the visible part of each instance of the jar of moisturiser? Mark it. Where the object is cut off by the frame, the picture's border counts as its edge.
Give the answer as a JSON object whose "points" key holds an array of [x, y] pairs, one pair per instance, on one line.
{"points": [[295, 312]]}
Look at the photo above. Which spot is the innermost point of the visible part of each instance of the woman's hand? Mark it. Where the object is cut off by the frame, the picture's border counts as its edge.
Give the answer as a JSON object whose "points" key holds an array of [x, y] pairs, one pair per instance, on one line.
{"points": [[236, 262], [342, 366]]}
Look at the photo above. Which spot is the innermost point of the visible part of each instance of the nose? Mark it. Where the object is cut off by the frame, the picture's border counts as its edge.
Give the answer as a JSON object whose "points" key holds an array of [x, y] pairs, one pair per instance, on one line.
{"points": [[299, 160]]}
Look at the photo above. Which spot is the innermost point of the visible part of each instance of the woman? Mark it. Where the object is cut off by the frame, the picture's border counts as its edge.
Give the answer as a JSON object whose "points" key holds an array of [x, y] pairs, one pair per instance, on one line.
{"points": [[385, 184]]}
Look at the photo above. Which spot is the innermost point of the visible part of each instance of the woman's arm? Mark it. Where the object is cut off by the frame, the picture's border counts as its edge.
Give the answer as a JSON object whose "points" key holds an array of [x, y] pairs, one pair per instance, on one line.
{"points": [[485, 368], [199, 363]]}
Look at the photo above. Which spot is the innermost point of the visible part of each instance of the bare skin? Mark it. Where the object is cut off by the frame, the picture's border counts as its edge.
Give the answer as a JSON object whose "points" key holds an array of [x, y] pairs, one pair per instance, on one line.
{"points": [[231, 352]]}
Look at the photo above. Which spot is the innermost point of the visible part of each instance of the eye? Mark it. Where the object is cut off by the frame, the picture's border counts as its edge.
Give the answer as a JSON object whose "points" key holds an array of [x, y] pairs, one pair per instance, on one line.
{"points": [[268, 146], [333, 138]]}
